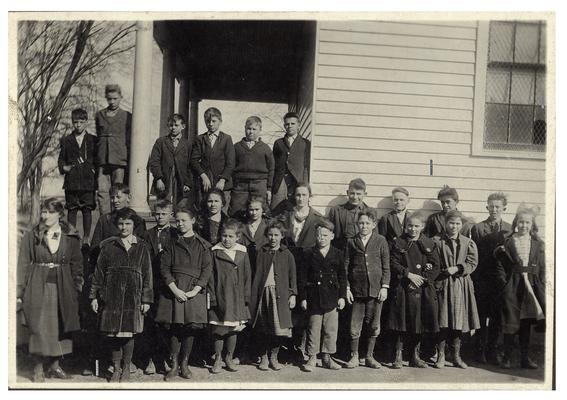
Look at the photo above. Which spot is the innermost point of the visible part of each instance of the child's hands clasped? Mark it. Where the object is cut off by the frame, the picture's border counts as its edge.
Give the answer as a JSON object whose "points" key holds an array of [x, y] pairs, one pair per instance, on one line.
{"points": [[291, 301], [452, 270], [193, 292], [416, 280], [179, 294]]}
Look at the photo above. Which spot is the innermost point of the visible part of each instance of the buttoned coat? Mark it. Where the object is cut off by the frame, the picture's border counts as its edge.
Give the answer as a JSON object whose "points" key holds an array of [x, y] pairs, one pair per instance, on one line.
{"points": [[321, 279], [284, 276], [230, 286], [307, 236], [216, 161], [344, 228], [31, 277], [81, 159], [187, 267], [368, 268], [122, 281], [292, 159], [487, 241], [171, 165]]}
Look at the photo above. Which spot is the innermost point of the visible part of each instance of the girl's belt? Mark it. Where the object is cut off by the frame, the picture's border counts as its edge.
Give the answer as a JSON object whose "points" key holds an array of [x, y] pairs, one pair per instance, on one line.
{"points": [[48, 265]]}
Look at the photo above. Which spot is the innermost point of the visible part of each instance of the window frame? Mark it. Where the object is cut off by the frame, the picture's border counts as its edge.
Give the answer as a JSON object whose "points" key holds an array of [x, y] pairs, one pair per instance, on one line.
{"points": [[479, 104]]}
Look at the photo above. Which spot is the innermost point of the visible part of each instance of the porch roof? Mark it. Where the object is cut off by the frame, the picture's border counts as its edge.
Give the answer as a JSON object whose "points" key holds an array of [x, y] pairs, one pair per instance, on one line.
{"points": [[238, 60]]}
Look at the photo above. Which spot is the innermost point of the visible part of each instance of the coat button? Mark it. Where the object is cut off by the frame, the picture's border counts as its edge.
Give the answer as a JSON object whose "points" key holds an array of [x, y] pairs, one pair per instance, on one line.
{"points": [[318, 283]]}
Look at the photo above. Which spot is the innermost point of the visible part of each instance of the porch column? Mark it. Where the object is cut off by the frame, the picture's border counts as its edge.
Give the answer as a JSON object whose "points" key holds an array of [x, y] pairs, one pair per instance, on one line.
{"points": [[167, 89], [183, 105], [193, 116], [141, 141]]}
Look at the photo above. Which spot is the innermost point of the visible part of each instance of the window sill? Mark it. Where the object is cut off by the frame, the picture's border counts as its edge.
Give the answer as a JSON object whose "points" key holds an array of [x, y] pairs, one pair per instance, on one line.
{"points": [[522, 154]]}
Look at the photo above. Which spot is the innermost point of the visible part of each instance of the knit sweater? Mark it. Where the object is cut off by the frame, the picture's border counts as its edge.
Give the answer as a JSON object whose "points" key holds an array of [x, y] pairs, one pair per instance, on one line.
{"points": [[256, 163]]}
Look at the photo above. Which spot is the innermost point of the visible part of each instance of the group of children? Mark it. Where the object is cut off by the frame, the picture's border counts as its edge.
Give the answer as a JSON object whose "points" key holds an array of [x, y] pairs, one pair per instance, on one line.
{"points": [[244, 286]]}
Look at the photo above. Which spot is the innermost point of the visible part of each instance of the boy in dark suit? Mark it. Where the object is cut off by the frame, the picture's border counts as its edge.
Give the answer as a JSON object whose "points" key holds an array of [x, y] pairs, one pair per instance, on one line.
{"points": [[393, 224], [169, 162], [345, 216], [291, 154], [488, 235], [212, 160], [322, 289], [367, 263], [76, 161], [449, 199]]}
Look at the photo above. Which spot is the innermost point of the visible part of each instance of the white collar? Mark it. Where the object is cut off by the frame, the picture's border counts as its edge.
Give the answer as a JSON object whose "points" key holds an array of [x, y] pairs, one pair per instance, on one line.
{"points": [[54, 229], [237, 247]]}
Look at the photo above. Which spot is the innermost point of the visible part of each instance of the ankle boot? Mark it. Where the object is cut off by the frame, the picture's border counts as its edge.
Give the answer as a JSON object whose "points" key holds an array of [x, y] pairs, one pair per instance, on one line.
{"points": [[457, 349], [329, 363], [397, 364], [370, 360], [508, 349], [184, 368], [125, 376], [38, 374], [230, 364], [217, 365], [274, 363], [440, 363], [416, 360], [310, 364], [174, 371], [353, 361], [526, 361], [263, 366], [116, 372]]}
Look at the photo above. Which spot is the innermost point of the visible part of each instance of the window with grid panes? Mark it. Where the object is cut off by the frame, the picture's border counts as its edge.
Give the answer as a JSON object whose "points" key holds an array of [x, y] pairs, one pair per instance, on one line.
{"points": [[515, 114]]}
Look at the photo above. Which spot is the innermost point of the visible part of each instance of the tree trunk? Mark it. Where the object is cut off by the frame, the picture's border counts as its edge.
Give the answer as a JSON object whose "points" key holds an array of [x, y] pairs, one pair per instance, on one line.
{"points": [[35, 183]]}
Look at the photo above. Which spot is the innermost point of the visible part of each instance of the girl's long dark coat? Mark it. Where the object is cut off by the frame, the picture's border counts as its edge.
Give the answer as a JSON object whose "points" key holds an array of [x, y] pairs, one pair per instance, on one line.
{"points": [[410, 309], [187, 266], [285, 277], [511, 282], [32, 278], [229, 286], [254, 242], [122, 281]]}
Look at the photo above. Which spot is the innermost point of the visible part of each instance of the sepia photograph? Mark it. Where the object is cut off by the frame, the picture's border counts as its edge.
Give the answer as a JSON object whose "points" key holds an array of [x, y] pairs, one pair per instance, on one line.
{"points": [[281, 200]]}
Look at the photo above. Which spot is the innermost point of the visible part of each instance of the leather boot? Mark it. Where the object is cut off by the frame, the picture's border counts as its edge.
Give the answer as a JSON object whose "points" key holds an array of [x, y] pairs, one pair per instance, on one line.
{"points": [[125, 376], [353, 362], [184, 368], [264, 365], [116, 372], [217, 366], [370, 360], [416, 360], [508, 349], [174, 371], [274, 363], [329, 363], [310, 364], [440, 363], [526, 361], [457, 349], [397, 364], [38, 374], [230, 364]]}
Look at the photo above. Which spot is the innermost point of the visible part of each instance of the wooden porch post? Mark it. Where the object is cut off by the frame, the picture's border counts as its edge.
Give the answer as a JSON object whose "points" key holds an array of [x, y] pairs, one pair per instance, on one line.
{"points": [[141, 142], [183, 105], [167, 89]]}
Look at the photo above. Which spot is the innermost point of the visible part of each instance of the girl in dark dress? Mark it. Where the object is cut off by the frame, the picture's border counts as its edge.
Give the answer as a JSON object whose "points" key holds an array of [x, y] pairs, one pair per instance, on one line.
{"points": [[50, 278], [122, 291], [521, 277], [412, 304], [185, 267]]}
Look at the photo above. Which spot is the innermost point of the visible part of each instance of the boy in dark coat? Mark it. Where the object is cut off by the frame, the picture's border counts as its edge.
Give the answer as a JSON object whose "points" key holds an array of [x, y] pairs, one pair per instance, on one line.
{"points": [[254, 167], [345, 216], [113, 132], [122, 291], [322, 289], [393, 224], [449, 199], [488, 235], [274, 291], [76, 161], [169, 163], [367, 263], [292, 155], [212, 160], [152, 345], [412, 304]]}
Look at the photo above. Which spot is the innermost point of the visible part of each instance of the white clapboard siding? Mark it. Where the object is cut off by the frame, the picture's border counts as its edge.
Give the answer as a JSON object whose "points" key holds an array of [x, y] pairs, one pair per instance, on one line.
{"points": [[392, 100]]}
